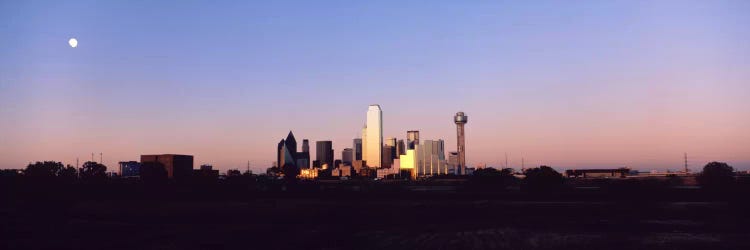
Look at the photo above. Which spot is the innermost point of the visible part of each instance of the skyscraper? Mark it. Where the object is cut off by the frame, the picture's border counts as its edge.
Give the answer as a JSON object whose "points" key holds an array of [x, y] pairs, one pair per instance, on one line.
{"points": [[391, 142], [305, 145], [303, 158], [357, 148], [287, 151], [460, 119], [347, 156], [431, 158], [400, 148], [364, 142], [412, 139], [324, 153], [387, 157], [374, 143]]}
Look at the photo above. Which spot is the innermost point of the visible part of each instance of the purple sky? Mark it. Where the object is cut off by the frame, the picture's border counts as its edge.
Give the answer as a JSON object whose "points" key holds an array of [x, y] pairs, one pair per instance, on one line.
{"points": [[590, 84]]}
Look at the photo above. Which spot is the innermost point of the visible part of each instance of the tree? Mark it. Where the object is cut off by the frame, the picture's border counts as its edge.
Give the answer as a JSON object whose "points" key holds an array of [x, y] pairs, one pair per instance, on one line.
{"points": [[93, 171], [290, 172], [716, 176], [46, 169], [543, 178], [490, 179], [69, 173], [273, 171]]}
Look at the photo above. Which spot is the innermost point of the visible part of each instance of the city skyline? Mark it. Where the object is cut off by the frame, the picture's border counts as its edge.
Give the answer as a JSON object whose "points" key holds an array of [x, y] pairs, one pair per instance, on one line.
{"points": [[570, 86]]}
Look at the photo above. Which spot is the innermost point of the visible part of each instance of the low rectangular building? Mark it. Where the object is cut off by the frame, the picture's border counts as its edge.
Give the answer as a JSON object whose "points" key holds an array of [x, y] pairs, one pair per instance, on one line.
{"points": [[597, 173], [177, 166]]}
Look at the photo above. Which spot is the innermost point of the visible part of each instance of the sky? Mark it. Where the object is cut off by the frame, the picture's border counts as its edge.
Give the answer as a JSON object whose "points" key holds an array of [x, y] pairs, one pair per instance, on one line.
{"points": [[589, 84]]}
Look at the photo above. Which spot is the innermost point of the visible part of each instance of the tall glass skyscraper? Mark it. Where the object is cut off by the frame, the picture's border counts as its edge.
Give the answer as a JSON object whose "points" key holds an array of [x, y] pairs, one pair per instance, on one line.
{"points": [[392, 143], [324, 153], [374, 139], [357, 147]]}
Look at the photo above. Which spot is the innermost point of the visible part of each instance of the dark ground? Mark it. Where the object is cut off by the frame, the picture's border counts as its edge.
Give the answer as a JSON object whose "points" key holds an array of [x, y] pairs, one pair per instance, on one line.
{"points": [[360, 220]]}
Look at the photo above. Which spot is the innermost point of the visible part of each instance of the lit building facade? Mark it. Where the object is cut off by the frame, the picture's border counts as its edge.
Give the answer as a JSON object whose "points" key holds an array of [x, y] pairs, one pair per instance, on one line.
{"points": [[431, 158], [408, 162], [374, 138]]}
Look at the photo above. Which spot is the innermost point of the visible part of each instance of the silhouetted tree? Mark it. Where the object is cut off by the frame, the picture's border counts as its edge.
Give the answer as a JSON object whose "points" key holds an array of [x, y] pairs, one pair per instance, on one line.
{"points": [[290, 172], [543, 178], [46, 169], [93, 171], [153, 172], [274, 171], [491, 179], [69, 173], [716, 176]]}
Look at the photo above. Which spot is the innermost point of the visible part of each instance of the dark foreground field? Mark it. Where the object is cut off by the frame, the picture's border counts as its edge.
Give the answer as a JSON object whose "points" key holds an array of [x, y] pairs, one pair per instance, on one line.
{"points": [[449, 221]]}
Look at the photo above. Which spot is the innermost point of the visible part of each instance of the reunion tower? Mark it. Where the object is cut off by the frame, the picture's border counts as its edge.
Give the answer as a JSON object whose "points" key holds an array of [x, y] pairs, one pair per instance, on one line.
{"points": [[460, 120]]}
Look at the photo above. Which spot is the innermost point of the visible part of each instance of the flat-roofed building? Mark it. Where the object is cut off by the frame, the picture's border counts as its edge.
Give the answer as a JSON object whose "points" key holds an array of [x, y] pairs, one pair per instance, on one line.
{"points": [[177, 166], [130, 169], [597, 173]]}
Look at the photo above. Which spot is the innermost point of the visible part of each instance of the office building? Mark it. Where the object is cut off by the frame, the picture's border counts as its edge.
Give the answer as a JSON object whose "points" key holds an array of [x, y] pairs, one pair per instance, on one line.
{"points": [[387, 156], [392, 143], [177, 166], [305, 145], [324, 153], [347, 156], [206, 172], [287, 153], [430, 156], [400, 148], [374, 137], [357, 147], [364, 142], [408, 162], [461, 119], [412, 139], [130, 169], [303, 158]]}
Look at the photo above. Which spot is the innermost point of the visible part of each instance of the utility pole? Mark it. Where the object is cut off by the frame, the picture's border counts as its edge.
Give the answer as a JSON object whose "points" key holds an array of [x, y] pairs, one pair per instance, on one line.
{"points": [[523, 166], [92, 157], [101, 158], [686, 164]]}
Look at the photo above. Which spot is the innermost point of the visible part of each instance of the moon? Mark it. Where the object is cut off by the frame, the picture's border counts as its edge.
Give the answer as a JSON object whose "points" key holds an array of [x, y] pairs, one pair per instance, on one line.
{"points": [[73, 42]]}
